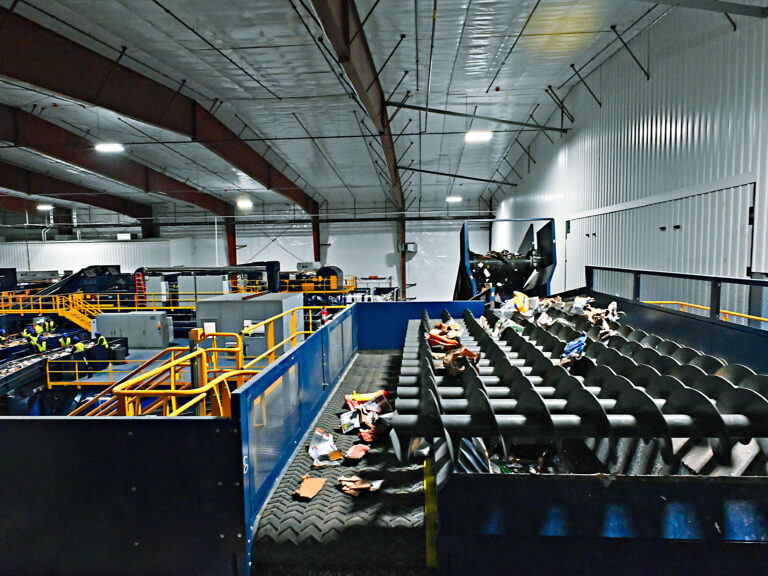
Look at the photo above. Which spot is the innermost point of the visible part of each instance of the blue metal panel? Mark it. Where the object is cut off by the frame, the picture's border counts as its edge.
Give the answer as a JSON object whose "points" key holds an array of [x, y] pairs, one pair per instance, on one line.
{"points": [[313, 394], [121, 495], [590, 513], [276, 408], [382, 325]]}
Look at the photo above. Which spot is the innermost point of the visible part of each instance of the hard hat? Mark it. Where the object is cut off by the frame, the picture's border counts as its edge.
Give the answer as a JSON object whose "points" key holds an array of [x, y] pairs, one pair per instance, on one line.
{"points": [[75, 339], [97, 334]]}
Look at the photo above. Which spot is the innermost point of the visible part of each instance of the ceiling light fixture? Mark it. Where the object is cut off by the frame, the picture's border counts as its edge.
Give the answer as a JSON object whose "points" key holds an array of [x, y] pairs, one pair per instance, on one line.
{"points": [[244, 203], [453, 199], [45, 207], [109, 147], [476, 136]]}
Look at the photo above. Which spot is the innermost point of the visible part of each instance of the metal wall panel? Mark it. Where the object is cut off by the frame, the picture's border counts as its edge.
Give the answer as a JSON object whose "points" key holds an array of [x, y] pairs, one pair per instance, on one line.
{"points": [[615, 283], [77, 255], [702, 234], [694, 127]]}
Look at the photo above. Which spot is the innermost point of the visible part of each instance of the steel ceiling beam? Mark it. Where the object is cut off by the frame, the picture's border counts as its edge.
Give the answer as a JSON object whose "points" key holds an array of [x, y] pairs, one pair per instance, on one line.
{"points": [[39, 56], [341, 21], [341, 24], [33, 132], [26, 181], [16, 204], [732, 8]]}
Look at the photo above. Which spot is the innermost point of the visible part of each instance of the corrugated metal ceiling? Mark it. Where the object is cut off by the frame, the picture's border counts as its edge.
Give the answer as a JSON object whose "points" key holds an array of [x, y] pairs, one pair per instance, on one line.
{"points": [[279, 85]]}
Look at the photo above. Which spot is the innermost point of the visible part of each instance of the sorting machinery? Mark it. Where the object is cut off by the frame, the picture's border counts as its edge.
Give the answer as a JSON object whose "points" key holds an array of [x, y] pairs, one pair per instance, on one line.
{"points": [[528, 269], [23, 390], [642, 457], [634, 407]]}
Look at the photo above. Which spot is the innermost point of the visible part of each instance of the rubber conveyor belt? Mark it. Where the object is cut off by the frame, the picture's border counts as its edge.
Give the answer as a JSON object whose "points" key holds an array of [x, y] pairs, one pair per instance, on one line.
{"points": [[380, 533]]}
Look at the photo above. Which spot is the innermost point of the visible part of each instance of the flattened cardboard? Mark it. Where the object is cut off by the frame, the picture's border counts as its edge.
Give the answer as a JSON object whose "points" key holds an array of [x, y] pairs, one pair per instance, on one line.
{"points": [[310, 487]]}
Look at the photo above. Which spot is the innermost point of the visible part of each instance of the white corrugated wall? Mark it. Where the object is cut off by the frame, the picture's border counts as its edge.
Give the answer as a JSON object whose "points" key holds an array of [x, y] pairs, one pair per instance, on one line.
{"points": [[696, 129], [76, 255], [362, 249]]}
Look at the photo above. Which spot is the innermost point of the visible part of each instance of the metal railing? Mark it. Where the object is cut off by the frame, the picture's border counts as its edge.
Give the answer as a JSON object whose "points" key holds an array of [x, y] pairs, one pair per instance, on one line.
{"points": [[683, 305], [326, 286], [714, 288], [200, 378], [92, 304]]}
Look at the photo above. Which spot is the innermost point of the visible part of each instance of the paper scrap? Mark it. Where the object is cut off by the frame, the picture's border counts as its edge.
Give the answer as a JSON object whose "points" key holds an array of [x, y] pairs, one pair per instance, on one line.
{"points": [[309, 487], [357, 451], [354, 485]]}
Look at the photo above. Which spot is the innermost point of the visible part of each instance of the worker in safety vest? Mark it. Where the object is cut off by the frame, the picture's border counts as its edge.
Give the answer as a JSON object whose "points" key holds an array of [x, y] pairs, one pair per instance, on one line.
{"points": [[83, 370], [101, 340], [36, 344], [65, 340], [49, 325], [39, 329], [3, 336], [28, 331], [79, 346]]}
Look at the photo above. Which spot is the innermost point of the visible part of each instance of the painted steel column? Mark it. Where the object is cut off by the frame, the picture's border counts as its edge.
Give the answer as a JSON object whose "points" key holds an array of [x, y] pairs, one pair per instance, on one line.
{"points": [[402, 257], [149, 228], [316, 237], [62, 219], [231, 233]]}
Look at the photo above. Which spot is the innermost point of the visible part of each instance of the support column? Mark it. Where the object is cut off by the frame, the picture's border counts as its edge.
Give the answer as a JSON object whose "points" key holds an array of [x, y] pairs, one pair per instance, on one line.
{"points": [[231, 234], [149, 229], [316, 237], [62, 219], [402, 257]]}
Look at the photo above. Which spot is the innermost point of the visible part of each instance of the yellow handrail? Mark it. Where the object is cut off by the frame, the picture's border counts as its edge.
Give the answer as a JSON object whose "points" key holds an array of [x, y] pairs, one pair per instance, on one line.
{"points": [[683, 305], [212, 389], [92, 304], [349, 284]]}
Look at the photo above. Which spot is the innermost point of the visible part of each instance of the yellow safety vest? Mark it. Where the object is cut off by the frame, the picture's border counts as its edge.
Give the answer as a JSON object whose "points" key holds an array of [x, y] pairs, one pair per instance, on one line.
{"points": [[65, 341], [79, 347], [41, 346], [39, 328], [3, 338], [102, 341]]}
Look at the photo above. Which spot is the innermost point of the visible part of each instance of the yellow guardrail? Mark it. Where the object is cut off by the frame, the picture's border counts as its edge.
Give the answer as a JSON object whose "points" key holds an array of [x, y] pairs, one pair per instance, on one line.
{"points": [[684, 305], [310, 286], [198, 379], [91, 305]]}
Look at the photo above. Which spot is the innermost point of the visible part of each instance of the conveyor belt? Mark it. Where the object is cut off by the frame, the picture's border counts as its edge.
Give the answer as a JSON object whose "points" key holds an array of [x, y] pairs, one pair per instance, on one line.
{"points": [[380, 533]]}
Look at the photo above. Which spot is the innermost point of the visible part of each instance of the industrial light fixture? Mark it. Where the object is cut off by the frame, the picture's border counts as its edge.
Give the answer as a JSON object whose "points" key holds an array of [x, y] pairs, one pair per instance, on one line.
{"points": [[244, 203], [476, 136], [453, 199], [109, 147], [45, 207]]}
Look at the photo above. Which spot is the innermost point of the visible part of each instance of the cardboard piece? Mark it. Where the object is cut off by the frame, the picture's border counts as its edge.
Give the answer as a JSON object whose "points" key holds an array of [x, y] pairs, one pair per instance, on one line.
{"points": [[309, 487], [354, 485]]}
